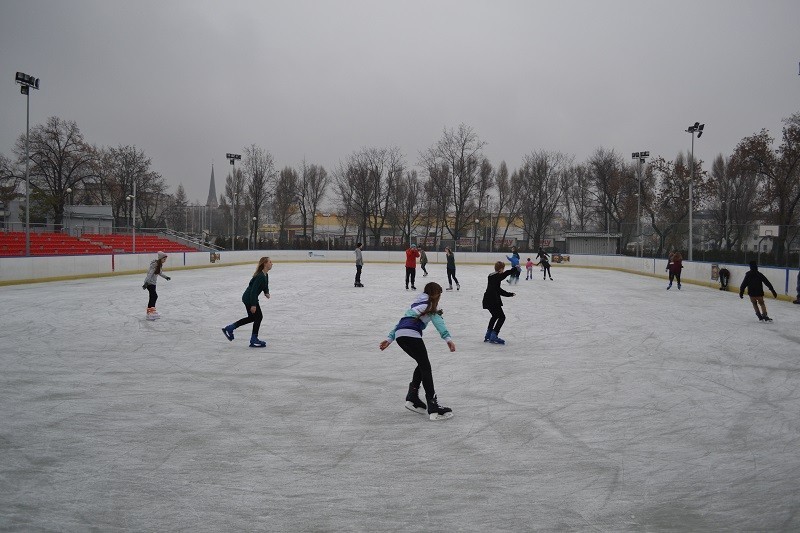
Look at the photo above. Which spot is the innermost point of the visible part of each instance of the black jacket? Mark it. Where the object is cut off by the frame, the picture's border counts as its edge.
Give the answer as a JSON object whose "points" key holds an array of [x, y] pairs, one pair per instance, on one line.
{"points": [[491, 298], [755, 281]]}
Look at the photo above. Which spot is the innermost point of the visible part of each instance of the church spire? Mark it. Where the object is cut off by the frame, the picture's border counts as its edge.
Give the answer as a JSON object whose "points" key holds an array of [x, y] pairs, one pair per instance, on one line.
{"points": [[212, 191]]}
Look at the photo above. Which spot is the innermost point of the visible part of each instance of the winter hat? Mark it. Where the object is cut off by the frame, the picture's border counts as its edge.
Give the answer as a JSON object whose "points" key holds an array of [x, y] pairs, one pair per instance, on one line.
{"points": [[161, 255], [413, 245]]}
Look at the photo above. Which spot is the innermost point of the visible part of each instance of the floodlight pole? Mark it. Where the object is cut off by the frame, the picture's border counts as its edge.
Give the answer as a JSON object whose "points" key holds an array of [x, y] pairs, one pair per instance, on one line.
{"points": [[27, 82], [232, 158], [696, 128], [641, 157]]}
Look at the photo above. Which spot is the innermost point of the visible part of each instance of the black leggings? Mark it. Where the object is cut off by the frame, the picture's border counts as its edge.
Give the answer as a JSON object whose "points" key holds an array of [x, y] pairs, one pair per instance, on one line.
{"points": [[676, 275], [451, 276], [497, 320], [422, 266], [255, 318], [411, 274], [415, 348], [151, 302], [546, 272]]}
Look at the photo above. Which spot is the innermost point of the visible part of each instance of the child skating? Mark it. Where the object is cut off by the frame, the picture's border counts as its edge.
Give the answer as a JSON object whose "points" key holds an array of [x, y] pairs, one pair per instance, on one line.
{"points": [[494, 304], [150, 281], [529, 269], [408, 333], [258, 283], [674, 267], [754, 281], [514, 260]]}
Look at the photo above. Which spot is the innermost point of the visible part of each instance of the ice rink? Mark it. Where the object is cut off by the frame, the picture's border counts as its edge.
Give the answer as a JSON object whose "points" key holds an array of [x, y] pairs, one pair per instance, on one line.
{"points": [[615, 406]]}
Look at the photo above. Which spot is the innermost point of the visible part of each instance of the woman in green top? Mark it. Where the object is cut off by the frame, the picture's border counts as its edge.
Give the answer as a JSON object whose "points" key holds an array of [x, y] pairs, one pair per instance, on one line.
{"points": [[258, 283]]}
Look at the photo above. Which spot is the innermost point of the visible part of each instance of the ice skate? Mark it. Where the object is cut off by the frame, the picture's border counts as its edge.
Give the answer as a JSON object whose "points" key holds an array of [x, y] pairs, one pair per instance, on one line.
{"points": [[155, 313], [413, 403], [767, 319], [488, 336], [255, 342], [458, 287], [669, 286], [450, 288], [436, 411], [494, 339], [413, 288], [760, 317], [228, 331], [151, 313]]}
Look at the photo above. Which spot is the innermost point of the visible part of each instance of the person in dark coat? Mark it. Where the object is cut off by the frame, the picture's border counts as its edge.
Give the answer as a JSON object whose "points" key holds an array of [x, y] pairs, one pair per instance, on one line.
{"points": [[494, 304], [674, 267], [724, 278], [545, 263], [754, 281]]}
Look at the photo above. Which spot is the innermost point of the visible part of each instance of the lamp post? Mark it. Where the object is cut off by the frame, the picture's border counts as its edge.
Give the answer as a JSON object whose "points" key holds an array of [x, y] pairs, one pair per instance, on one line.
{"points": [[255, 232], [27, 82], [233, 158], [476, 234], [132, 198], [489, 210], [640, 156], [69, 211], [696, 128]]}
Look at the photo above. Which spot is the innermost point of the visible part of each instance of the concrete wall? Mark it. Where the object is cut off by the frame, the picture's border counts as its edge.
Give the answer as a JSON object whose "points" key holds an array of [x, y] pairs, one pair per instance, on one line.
{"points": [[31, 269]]}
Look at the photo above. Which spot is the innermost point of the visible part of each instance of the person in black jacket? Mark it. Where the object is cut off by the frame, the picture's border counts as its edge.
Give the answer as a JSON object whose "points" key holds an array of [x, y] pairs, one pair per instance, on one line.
{"points": [[754, 281], [493, 303]]}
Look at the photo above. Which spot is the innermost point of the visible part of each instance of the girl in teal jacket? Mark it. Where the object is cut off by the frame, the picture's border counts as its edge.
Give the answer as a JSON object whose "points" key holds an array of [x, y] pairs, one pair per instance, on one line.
{"points": [[258, 283]]}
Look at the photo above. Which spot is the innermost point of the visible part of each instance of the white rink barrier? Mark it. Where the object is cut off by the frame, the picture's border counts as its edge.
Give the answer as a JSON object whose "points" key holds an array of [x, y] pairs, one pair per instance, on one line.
{"points": [[52, 268]]}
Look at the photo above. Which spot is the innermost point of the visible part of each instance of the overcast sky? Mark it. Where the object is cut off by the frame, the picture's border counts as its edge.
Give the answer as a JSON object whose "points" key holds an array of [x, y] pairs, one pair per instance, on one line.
{"points": [[187, 81]]}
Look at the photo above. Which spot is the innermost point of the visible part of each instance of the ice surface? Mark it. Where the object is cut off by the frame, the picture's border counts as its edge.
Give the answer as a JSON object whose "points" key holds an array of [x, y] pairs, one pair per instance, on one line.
{"points": [[614, 406]]}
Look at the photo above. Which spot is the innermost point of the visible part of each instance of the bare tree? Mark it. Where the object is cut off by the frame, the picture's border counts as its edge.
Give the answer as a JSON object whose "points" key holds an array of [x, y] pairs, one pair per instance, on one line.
{"points": [[780, 169], [371, 175], [407, 212], [540, 175], [458, 152], [233, 198], [60, 159], [259, 174], [509, 201], [285, 200], [310, 191]]}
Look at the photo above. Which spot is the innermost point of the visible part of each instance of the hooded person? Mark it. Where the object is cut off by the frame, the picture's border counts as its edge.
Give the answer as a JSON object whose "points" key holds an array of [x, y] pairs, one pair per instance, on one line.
{"points": [[754, 282]]}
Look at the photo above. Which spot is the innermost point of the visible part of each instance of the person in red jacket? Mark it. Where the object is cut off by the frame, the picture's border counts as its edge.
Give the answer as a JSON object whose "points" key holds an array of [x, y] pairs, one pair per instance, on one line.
{"points": [[411, 265], [674, 267]]}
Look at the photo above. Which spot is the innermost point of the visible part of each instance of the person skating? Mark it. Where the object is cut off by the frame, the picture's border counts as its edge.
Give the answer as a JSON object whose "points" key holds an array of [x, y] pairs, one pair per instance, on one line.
{"points": [[258, 283], [544, 261], [451, 269], [411, 265], [359, 265], [797, 300], [514, 260], [494, 304], [674, 267], [408, 333], [754, 282], [155, 270], [423, 260], [528, 269]]}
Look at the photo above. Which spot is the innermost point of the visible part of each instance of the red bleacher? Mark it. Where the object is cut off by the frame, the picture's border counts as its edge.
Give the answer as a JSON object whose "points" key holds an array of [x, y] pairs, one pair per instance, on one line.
{"points": [[12, 243], [144, 243]]}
